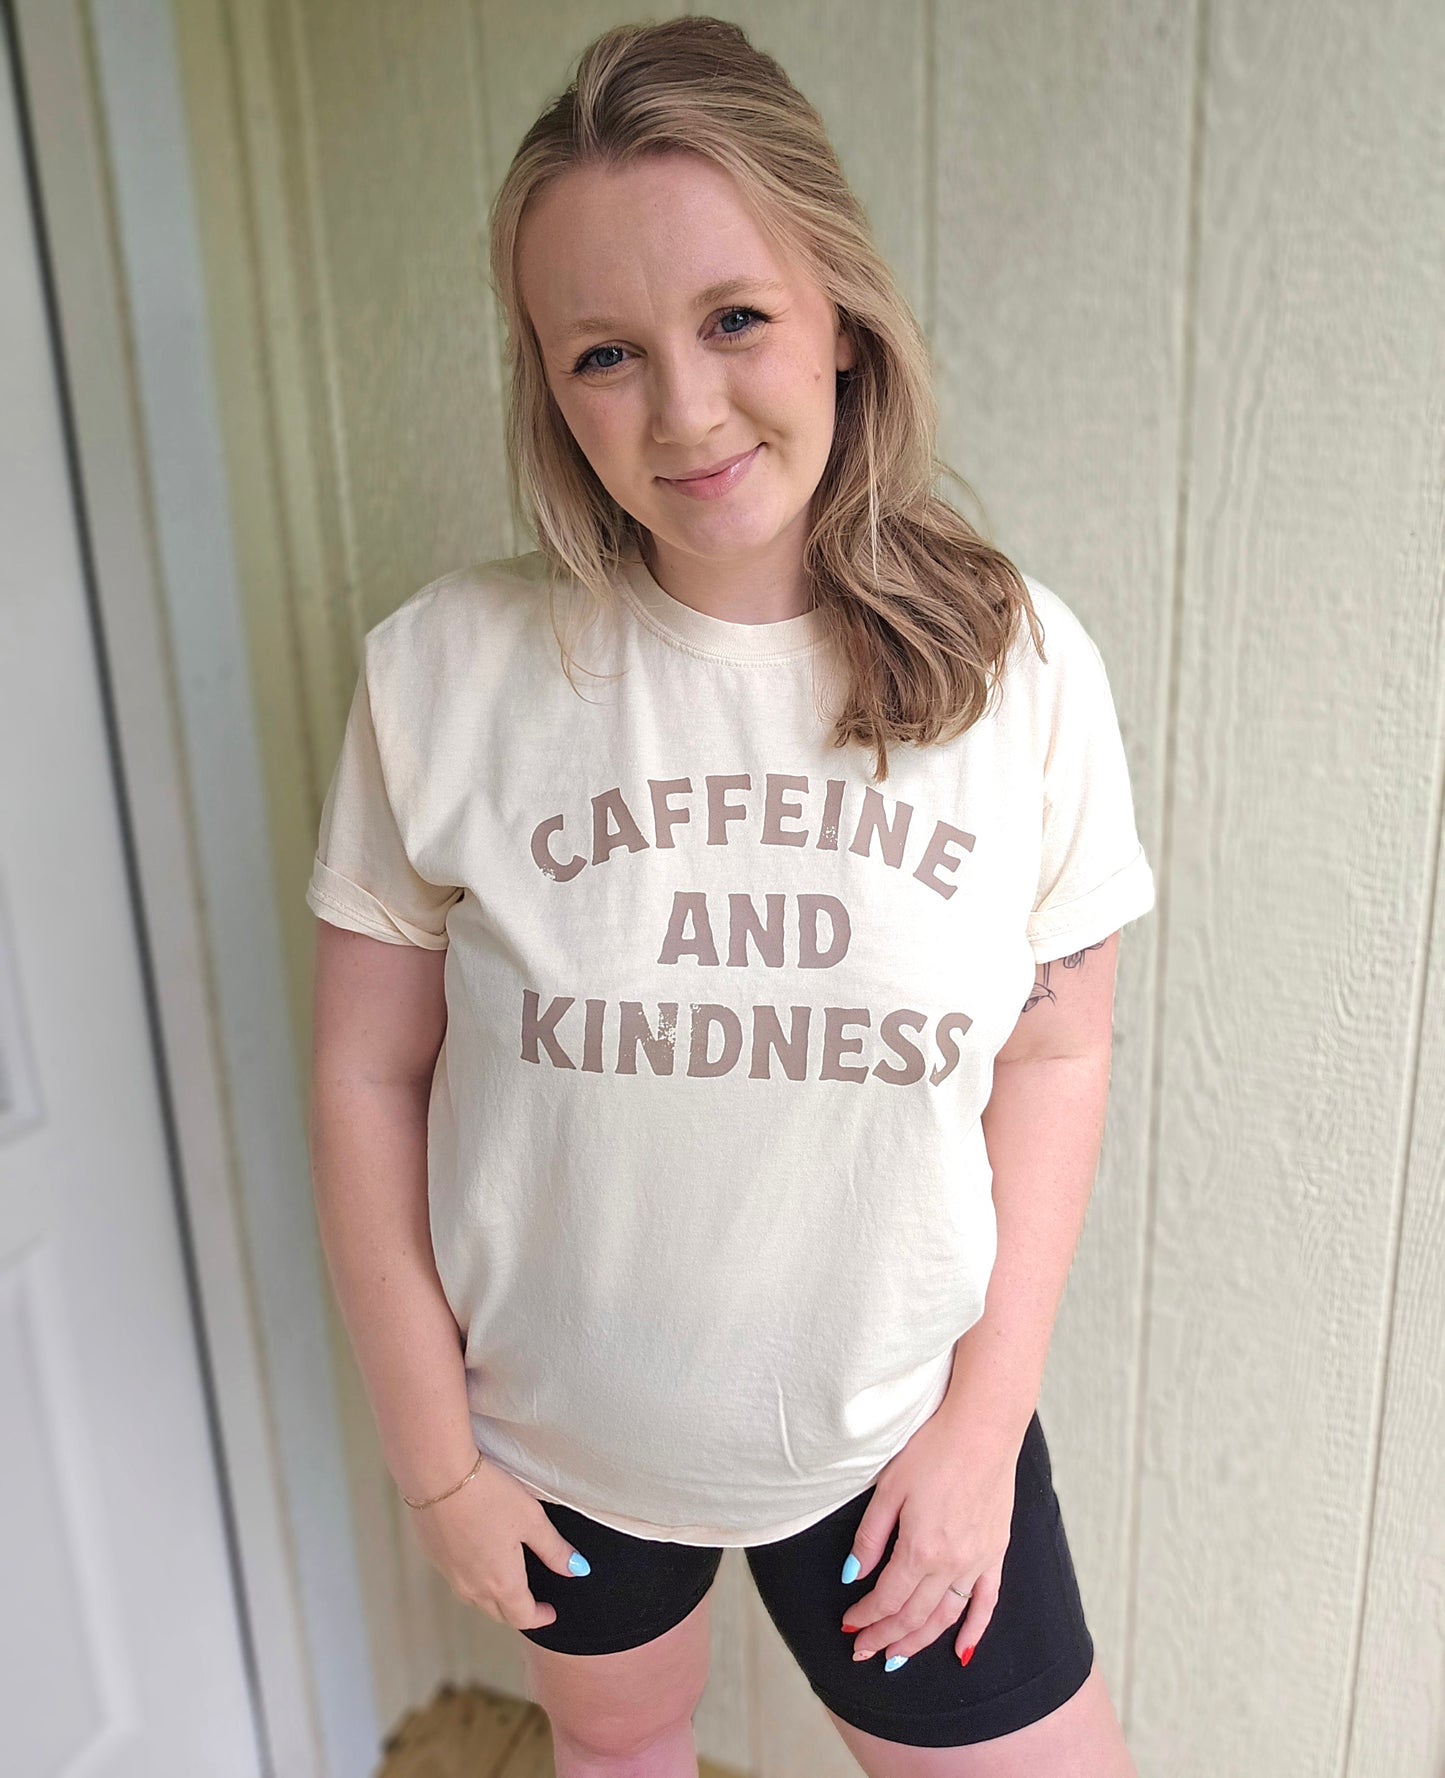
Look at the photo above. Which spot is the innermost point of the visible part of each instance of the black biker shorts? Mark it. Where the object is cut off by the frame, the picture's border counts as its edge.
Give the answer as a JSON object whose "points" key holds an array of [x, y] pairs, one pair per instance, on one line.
{"points": [[1034, 1654]]}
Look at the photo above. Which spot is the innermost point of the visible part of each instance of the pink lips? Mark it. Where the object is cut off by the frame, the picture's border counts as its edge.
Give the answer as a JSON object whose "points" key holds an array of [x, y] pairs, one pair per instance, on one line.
{"points": [[716, 481]]}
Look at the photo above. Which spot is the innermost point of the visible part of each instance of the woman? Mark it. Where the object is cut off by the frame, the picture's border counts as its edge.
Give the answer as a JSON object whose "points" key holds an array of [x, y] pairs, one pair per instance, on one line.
{"points": [[743, 1013]]}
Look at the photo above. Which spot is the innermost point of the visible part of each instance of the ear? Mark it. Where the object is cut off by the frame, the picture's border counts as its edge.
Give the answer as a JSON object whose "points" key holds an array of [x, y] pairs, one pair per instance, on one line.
{"points": [[845, 354]]}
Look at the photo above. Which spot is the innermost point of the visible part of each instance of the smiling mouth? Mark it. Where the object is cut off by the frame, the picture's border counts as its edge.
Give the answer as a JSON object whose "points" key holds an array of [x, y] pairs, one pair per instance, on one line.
{"points": [[698, 475]]}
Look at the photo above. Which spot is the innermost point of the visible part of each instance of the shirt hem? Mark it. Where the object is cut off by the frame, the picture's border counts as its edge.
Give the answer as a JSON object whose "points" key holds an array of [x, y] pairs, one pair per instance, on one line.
{"points": [[358, 910], [1089, 919], [717, 1537]]}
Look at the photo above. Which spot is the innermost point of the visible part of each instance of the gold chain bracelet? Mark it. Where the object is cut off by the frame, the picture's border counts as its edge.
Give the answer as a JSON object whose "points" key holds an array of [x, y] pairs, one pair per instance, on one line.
{"points": [[450, 1491]]}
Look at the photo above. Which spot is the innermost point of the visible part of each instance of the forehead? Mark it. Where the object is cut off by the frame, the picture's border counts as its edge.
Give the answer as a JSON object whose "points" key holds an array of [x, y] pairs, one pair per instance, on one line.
{"points": [[645, 241]]}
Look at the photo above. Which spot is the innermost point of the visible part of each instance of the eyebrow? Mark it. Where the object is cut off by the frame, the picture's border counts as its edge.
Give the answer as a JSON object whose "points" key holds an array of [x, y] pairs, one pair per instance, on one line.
{"points": [[705, 299]]}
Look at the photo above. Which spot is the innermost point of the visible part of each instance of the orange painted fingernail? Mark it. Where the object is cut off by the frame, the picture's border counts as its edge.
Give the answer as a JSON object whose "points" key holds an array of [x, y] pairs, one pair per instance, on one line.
{"points": [[967, 1655]]}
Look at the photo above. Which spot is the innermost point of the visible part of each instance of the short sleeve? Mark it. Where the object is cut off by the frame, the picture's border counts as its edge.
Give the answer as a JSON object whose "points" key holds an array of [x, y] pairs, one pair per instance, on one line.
{"points": [[362, 878], [1093, 875]]}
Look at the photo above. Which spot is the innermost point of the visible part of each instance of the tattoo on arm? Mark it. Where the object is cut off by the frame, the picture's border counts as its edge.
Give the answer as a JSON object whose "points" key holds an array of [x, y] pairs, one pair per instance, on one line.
{"points": [[1041, 989]]}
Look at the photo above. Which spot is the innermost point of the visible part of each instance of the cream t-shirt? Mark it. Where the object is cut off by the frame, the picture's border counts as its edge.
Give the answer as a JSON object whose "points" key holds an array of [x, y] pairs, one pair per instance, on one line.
{"points": [[709, 1194]]}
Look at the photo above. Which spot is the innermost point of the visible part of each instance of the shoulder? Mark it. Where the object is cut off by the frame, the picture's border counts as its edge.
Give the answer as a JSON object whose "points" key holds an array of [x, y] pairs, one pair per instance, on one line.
{"points": [[470, 633], [1066, 640], [1071, 667], [467, 643], [485, 599], [1065, 690]]}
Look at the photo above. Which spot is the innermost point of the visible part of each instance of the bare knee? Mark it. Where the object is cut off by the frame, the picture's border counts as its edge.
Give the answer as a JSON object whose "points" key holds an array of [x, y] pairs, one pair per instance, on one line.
{"points": [[610, 1750], [619, 1707]]}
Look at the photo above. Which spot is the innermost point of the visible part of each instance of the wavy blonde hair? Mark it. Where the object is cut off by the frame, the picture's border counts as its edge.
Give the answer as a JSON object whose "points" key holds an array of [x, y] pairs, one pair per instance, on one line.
{"points": [[923, 609]]}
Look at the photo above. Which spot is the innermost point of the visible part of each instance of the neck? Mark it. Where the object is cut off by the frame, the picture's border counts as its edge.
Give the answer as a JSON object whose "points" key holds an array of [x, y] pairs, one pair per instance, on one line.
{"points": [[759, 587]]}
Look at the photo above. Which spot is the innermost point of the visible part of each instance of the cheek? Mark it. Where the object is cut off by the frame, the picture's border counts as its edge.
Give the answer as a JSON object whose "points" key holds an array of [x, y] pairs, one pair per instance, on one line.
{"points": [[604, 432], [793, 391]]}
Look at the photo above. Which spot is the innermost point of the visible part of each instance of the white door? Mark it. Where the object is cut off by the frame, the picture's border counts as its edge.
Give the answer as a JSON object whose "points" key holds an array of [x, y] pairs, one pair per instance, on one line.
{"points": [[121, 1652]]}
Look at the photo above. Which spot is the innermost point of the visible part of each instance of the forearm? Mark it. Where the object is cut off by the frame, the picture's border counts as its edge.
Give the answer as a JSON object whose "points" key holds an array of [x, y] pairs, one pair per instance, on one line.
{"points": [[368, 1147], [1044, 1129]]}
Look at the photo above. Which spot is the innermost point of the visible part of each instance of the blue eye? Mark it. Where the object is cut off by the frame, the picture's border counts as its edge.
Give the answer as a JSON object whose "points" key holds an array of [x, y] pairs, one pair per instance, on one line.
{"points": [[583, 366], [586, 367]]}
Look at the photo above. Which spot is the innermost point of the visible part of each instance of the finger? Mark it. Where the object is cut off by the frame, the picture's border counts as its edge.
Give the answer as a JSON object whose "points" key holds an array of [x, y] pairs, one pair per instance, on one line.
{"points": [[976, 1618], [944, 1616], [520, 1609], [896, 1586], [898, 1648], [923, 1618], [553, 1550], [871, 1538]]}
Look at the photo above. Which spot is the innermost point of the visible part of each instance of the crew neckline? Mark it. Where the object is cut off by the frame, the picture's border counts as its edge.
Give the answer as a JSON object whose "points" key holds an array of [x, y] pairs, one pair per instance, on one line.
{"points": [[701, 633]]}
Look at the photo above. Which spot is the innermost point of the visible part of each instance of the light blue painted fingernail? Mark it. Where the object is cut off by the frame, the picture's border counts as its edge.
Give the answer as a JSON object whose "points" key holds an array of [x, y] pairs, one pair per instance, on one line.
{"points": [[850, 1569], [578, 1563], [893, 1663]]}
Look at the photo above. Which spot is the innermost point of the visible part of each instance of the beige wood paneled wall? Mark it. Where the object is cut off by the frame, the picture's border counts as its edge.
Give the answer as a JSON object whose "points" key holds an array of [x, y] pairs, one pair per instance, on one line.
{"points": [[1183, 266]]}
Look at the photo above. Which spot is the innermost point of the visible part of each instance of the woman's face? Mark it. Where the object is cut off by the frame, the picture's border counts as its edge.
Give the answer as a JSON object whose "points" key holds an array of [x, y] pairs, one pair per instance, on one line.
{"points": [[659, 374]]}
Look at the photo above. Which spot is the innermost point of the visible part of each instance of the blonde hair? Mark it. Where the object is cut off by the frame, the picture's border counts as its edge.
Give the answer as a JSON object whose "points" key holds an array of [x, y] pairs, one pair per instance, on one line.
{"points": [[920, 605]]}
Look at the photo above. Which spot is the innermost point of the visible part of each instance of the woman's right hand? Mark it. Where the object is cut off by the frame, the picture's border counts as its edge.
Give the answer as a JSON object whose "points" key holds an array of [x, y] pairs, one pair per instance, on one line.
{"points": [[475, 1536]]}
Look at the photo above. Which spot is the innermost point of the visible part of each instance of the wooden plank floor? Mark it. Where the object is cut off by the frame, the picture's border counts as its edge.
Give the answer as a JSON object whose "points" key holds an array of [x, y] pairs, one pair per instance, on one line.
{"points": [[477, 1733]]}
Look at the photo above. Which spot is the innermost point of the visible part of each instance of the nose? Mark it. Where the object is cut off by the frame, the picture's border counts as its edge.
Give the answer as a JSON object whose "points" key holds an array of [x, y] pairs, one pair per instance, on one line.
{"points": [[689, 400]]}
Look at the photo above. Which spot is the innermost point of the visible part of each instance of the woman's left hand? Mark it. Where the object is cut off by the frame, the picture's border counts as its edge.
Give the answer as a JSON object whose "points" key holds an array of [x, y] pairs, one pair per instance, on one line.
{"points": [[952, 1497]]}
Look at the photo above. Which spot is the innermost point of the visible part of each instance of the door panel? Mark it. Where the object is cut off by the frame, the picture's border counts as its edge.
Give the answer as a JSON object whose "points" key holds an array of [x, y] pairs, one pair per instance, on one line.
{"points": [[120, 1646]]}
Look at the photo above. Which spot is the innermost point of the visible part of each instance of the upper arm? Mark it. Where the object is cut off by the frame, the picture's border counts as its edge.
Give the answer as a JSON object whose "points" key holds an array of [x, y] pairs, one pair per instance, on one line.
{"points": [[379, 1002], [379, 1010], [1093, 876], [1070, 1009]]}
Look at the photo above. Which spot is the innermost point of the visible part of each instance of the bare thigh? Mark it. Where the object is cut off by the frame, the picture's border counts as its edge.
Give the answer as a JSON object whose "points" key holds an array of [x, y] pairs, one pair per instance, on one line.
{"points": [[618, 1701], [1081, 1739]]}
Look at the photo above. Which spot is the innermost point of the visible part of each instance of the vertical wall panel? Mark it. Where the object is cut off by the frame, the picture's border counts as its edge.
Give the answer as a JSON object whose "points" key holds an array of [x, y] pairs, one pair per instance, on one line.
{"points": [[1396, 1723], [383, 162], [1306, 804], [393, 150]]}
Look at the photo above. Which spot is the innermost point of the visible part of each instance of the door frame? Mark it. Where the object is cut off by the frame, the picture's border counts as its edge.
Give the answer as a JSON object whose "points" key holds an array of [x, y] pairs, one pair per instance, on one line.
{"points": [[108, 161]]}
